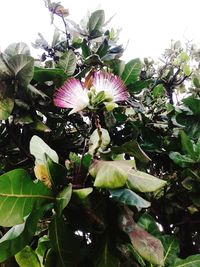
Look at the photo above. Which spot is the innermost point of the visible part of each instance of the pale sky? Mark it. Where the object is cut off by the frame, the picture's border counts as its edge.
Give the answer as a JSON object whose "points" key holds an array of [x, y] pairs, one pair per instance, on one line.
{"points": [[147, 25]]}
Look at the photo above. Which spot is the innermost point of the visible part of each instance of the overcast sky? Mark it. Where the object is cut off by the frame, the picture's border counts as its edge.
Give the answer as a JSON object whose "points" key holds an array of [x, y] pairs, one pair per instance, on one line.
{"points": [[148, 25]]}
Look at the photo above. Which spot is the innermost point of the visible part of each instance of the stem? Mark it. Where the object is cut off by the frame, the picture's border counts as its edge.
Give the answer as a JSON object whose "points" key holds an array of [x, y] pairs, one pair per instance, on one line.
{"points": [[99, 131]]}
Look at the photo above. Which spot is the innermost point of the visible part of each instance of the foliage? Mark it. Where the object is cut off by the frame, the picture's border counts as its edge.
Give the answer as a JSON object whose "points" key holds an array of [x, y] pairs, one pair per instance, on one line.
{"points": [[99, 158]]}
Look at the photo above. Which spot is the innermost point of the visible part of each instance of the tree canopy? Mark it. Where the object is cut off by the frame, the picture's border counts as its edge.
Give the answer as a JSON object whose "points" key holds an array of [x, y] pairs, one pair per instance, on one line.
{"points": [[99, 158]]}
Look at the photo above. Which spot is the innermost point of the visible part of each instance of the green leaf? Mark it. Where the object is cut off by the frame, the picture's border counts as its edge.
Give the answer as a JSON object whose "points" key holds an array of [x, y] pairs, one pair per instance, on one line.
{"points": [[158, 91], [96, 144], [64, 242], [83, 193], [187, 144], [19, 236], [42, 247], [117, 66], [18, 194], [137, 86], [5, 71], [22, 67], [27, 257], [128, 197], [193, 104], [186, 69], [38, 148], [136, 255], [144, 182], [132, 71], [191, 261], [67, 62], [51, 259], [105, 257], [131, 148], [6, 107], [103, 49], [149, 247], [42, 75], [171, 249], [111, 174], [96, 21], [147, 222], [16, 49], [181, 160], [85, 49], [57, 173], [63, 199]]}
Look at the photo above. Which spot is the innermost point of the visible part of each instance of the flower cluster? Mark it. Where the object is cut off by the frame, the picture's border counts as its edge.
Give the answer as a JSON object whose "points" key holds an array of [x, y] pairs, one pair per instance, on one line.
{"points": [[105, 88]]}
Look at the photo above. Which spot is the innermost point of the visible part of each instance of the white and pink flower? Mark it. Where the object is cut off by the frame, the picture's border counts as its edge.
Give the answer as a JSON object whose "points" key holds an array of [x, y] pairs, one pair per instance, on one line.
{"points": [[73, 94], [111, 84]]}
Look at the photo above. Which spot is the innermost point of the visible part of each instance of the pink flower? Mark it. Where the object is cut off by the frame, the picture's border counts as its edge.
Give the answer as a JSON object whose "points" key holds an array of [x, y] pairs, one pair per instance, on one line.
{"points": [[71, 95], [112, 86]]}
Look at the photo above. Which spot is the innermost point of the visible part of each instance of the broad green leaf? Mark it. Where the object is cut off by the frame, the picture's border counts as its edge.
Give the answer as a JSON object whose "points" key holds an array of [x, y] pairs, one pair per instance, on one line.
{"points": [[181, 160], [128, 197], [193, 104], [39, 148], [51, 259], [6, 107], [137, 86], [196, 81], [96, 21], [187, 144], [64, 242], [144, 182], [95, 144], [18, 194], [19, 236], [131, 148], [191, 261], [149, 247], [158, 91], [136, 255], [40, 126], [183, 56], [105, 257], [132, 71], [42, 75], [5, 71], [16, 49], [117, 66], [111, 174], [57, 173], [63, 199], [67, 62], [186, 69], [27, 257], [147, 222], [85, 49], [171, 249], [22, 67], [103, 49], [83, 193], [42, 247]]}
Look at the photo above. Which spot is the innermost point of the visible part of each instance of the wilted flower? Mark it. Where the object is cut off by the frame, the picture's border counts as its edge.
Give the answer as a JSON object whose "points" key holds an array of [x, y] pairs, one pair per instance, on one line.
{"points": [[72, 95], [41, 174], [104, 87]]}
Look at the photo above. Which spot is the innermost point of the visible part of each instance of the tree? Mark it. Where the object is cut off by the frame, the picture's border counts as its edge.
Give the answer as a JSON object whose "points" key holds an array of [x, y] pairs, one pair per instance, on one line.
{"points": [[99, 159]]}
